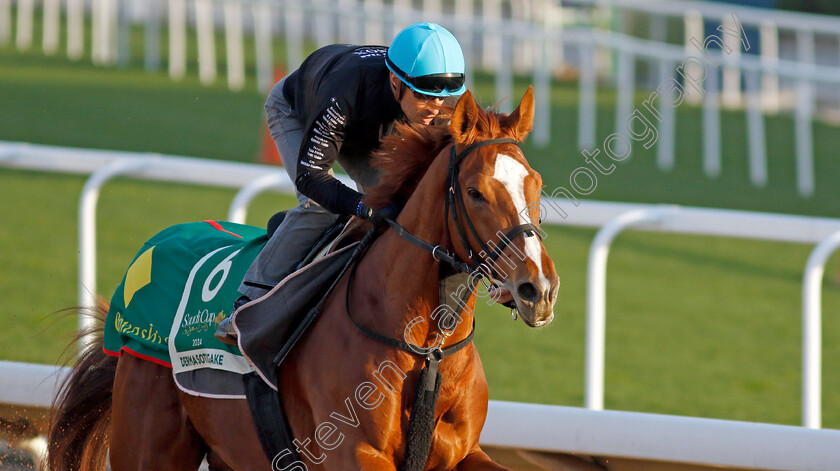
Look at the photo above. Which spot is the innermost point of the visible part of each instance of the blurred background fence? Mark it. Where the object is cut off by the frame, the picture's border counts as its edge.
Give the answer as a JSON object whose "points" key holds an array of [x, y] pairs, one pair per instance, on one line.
{"points": [[786, 63]]}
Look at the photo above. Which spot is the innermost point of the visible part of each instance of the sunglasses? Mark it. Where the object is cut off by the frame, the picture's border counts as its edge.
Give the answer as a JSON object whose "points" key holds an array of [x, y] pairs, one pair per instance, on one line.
{"points": [[437, 83], [432, 83]]}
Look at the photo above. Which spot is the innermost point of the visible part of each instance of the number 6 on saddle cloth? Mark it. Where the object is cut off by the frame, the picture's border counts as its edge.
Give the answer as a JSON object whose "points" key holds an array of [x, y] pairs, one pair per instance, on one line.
{"points": [[182, 284]]}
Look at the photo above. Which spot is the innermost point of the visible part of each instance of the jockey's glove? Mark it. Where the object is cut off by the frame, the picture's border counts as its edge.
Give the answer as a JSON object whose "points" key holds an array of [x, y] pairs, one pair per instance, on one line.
{"points": [[377, 216]]}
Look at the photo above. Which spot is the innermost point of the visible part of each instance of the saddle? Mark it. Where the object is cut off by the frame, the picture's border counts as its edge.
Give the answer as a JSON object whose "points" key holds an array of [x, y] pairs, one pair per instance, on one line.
{"points": [[266, 324]]}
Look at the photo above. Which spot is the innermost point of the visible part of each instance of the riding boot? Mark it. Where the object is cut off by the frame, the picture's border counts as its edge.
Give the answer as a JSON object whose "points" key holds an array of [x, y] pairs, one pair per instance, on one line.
{"points": [[225, 331]]}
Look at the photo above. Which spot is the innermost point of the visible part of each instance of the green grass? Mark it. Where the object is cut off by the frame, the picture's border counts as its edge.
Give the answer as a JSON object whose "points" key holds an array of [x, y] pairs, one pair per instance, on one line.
{"points": [[55, 101], [639, 179], [62, 103], [695, 325], [39, 240]]}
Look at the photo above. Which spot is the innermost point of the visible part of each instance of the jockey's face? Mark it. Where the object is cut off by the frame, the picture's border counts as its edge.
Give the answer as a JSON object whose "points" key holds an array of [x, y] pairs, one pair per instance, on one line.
{"points": [[418, 108]]}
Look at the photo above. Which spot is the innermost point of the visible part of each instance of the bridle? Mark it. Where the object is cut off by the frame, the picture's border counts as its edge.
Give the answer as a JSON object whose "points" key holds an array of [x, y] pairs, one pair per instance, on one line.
{"points": [[421, 421], [454, 196], [455, 204], [476, 267], [450, 260]]}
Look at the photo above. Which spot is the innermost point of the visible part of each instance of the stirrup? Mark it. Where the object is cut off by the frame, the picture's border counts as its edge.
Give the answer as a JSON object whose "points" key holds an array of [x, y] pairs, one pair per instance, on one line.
{"points": [[225, 332]]}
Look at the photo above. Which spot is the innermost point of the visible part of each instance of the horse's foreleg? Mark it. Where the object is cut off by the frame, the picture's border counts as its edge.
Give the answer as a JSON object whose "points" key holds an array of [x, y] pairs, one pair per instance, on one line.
{"points": [[478, 459]]}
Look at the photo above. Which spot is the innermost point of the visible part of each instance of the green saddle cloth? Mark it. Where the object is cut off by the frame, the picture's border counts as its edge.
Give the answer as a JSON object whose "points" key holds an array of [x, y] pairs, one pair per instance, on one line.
{"points": [[181, 284]]}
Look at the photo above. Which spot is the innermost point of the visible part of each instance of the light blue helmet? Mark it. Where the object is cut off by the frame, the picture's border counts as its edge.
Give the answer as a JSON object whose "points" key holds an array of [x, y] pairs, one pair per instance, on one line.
{"points": [[428, 59]]}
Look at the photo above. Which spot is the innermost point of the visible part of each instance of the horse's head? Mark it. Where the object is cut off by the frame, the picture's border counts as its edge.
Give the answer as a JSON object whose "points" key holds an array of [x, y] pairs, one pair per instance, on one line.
{"points": [[500, 194]]}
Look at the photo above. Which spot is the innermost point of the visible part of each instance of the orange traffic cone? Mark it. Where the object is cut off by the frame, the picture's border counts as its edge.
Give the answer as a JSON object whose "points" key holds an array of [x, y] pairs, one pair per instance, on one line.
{"points": [[269, 154]]}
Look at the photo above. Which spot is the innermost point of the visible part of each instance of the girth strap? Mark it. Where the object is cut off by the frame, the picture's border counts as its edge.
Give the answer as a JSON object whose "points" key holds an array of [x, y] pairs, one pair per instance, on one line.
{"points": [[315, 312], [269, 417]]}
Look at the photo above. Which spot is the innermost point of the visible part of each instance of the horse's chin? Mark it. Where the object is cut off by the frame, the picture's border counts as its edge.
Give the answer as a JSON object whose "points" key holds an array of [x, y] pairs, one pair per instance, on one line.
{"points": [[535, 316]]}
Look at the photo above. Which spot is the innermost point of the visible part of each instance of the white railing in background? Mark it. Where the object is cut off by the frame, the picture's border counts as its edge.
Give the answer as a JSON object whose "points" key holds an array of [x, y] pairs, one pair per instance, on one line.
{"points": [[106, 165], [527, 37], [812, 329], [823, 232], [762, 87], [29, 384], [669, 57], [611, 217], [768, 22]]}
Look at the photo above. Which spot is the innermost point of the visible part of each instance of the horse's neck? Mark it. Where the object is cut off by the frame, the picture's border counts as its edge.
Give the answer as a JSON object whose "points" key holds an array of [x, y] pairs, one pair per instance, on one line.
{"points": [[408, 274]]}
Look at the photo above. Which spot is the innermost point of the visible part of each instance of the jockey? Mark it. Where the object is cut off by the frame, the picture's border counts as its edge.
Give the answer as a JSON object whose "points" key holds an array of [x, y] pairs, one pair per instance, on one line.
{"points": [[335, 108]]}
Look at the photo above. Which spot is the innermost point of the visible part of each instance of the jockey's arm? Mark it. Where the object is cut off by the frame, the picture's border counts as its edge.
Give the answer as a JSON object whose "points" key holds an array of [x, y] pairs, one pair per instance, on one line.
{"points": [[322, 142]]}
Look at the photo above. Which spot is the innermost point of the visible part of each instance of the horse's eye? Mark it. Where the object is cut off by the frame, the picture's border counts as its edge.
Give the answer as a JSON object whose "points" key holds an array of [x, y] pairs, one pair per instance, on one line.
{"points": [[475, 194]]}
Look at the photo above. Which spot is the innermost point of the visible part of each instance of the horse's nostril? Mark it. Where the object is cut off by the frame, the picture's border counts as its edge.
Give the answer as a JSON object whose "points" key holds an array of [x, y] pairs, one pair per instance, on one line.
{"points": [[528, 292]]}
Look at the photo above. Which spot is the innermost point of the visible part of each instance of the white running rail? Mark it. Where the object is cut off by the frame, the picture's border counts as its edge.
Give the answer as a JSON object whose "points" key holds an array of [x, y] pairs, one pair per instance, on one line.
{"points": [[612, 217], [812, 330], [714, 222]]}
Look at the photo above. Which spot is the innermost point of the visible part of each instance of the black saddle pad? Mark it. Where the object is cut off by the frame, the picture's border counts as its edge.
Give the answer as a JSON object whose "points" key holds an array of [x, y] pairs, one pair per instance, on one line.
{"points": [[266, 325]]}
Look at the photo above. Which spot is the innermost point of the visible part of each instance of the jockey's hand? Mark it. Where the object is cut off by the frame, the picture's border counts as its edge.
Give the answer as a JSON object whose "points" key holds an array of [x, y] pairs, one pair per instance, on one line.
{"points": [[378, 216]]}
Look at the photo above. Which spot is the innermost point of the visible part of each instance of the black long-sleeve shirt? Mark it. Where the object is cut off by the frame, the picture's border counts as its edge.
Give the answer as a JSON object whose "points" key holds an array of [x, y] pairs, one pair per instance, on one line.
{"points": [[341, 93]]}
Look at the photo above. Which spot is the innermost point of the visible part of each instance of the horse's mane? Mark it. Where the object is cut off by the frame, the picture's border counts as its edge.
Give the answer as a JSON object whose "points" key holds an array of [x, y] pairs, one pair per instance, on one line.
{"points": [[407, 153], [403, 159]]}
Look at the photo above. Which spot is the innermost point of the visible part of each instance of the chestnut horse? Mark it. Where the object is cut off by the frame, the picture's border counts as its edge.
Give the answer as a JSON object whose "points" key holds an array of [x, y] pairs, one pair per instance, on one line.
{"points": [[340, 417]]}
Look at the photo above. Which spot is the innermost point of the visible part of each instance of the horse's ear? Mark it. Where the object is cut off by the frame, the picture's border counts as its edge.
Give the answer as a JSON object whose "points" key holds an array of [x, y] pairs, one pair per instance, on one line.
{"points": [[521, 121], [464, 120]]}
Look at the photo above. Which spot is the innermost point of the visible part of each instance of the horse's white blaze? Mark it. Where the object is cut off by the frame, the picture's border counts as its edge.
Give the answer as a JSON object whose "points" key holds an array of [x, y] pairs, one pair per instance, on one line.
{"points": [[511, 173]]}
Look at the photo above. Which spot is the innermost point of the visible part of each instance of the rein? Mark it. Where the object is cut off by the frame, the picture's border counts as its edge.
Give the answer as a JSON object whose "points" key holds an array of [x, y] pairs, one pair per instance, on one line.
{"points": [[455, 200], [421, 421]]}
